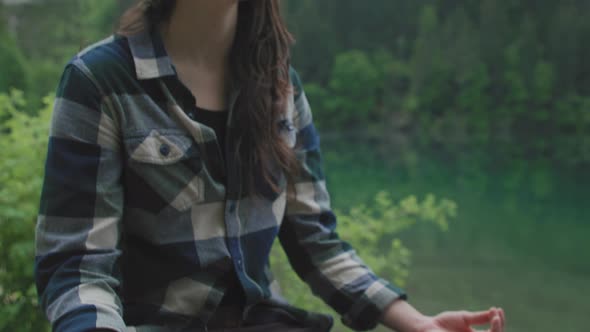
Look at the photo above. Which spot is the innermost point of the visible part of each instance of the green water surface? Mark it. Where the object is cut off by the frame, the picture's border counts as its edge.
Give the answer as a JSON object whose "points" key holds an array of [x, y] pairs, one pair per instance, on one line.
{"points": [[520, 240]]}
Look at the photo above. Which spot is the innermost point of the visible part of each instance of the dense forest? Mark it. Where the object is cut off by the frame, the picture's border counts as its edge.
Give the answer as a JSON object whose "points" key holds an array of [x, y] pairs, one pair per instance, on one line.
{"points": [[453, 73], [509, 78]]}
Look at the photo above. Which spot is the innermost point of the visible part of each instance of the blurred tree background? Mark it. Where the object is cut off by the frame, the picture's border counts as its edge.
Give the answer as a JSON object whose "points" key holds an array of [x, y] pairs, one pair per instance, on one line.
{"points": [[486, 103]]}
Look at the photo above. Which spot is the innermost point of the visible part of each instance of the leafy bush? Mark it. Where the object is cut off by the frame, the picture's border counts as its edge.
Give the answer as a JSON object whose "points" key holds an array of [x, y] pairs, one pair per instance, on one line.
{"points": [[351, 95], [23, 142], [372, 230], [13, 64]]}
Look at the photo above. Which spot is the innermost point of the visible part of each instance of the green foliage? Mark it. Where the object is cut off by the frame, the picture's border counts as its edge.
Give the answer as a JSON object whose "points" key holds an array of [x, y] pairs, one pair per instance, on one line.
{"points": [[14, 67], [373, 230], [23, 142], [355, 78], [543, 82], [361, 92], [465, 74], [49, 41], [351, 95]]}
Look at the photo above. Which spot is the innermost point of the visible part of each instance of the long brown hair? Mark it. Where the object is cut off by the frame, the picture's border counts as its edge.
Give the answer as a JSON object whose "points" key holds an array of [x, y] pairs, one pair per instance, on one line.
{"points": [[259, 61]]}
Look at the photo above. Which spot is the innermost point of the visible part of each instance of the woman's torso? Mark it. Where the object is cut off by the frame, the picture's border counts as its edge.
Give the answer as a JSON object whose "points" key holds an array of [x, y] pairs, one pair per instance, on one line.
{"points": [[186, 224]]}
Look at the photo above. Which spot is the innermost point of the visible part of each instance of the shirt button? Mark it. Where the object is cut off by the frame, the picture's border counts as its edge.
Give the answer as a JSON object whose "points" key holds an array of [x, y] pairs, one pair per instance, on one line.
{"points": [[164, 149], [232, 207], [239, 261]]}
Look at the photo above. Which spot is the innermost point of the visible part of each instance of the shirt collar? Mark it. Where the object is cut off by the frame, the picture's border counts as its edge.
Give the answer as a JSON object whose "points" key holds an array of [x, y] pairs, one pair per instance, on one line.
{"points": [[149, 54], [152, 61]]}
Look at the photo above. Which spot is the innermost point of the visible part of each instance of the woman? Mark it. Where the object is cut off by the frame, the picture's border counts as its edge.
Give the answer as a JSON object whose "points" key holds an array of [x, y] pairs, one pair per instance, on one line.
{"points": [[180, 148]]}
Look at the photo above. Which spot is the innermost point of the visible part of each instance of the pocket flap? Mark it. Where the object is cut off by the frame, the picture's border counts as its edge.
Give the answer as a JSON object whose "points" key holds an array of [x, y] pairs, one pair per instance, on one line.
{"points": [[159, 148]]}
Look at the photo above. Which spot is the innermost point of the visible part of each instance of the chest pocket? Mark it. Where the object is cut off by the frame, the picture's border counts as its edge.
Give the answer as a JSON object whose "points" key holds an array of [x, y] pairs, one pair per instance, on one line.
{"points": [[164, 169]]}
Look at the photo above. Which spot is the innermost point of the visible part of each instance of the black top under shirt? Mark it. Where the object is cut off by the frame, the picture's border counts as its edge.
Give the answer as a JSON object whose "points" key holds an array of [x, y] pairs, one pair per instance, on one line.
{"points": [[217, 121]]}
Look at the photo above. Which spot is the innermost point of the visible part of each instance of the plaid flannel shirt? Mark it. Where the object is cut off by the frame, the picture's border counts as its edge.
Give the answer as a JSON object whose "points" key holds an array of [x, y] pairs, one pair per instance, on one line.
{"points": [[136, 231]]}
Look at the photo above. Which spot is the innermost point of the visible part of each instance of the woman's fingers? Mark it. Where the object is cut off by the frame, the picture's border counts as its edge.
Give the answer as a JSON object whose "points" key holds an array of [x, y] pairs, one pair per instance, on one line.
{"points": [[502, 318], [478, 318], [494, 316], [500, 314], [497, 324]]}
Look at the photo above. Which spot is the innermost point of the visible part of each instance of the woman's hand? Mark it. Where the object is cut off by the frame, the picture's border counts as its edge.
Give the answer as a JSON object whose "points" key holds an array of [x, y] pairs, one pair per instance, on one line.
{"points": [[462, 321], [401, 316]]}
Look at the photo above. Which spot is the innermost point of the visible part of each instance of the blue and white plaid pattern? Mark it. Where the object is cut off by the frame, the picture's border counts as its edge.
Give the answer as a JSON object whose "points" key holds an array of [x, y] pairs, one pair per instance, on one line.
{"points": [[136, 229]]}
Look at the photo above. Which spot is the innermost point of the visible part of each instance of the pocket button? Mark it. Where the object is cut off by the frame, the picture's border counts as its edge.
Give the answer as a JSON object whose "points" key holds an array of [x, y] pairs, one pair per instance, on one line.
{"points": [[165, 149]]}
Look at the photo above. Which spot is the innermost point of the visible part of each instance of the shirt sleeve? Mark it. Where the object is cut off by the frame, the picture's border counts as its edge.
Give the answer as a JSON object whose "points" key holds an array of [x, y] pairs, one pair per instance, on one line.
{"points": [[329, 265], [78, 226]]}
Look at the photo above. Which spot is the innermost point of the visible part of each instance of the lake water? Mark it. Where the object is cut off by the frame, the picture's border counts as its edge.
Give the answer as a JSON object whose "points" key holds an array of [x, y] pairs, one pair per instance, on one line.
{"points": [[521, 239]]}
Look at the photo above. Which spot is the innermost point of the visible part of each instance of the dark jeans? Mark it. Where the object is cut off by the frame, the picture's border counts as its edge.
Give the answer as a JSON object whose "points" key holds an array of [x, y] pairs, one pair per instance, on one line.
{"points": [[272, 327], [261, 319]]}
